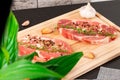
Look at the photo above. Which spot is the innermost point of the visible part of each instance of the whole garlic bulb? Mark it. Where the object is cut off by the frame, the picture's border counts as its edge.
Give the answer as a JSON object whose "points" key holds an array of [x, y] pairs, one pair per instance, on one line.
{"points": [[87, 11]]}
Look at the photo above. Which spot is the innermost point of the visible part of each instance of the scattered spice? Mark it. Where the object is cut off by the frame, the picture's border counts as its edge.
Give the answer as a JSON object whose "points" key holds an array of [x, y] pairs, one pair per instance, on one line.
{"points": [[37, 43], [83, 30]]}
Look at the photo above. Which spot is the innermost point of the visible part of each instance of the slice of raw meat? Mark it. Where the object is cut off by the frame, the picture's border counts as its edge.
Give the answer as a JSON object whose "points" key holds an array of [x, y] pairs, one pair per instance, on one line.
{"points": [[87, 31], [46, 48]]}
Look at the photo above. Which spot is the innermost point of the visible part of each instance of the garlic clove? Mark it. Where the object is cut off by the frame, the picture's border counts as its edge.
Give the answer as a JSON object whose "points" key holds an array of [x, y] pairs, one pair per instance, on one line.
{"points": [[26, 23], [46, 30], [87, 11]]}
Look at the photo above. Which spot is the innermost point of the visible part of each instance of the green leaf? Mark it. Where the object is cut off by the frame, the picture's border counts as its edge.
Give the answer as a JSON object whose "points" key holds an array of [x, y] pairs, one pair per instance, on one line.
{"points": [[6, 54], [1, 58], [46, 79], [27, 57], [4, 57], [23, 69], [9, 40], [64, 64]]}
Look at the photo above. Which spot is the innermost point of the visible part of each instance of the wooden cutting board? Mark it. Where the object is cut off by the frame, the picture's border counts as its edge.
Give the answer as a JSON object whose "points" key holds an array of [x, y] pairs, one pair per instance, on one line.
{"points": [[103, 53]]}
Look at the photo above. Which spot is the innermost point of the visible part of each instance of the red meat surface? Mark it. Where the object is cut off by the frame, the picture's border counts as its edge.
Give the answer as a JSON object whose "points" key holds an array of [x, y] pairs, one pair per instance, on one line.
{"points": [[59, 48], [87, 31]]}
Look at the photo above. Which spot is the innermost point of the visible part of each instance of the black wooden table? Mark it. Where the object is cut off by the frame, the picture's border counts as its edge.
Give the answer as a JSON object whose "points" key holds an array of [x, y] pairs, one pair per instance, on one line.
{"points": [[109, 9]]}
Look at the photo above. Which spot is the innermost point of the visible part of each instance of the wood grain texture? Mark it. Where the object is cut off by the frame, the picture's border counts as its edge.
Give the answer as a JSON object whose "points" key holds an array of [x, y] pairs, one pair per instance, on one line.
{"points": [[103, 53]]}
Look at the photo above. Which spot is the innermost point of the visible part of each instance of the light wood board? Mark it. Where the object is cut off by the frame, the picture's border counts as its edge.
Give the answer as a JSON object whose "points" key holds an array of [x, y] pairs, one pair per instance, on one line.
{"points": [[103, 53]]}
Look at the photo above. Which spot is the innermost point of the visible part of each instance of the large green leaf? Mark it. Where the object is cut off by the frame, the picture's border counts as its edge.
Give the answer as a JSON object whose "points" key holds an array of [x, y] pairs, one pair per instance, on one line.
{"points": [[9, 40], [25, 69], [61, 65], [64, 64]]}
